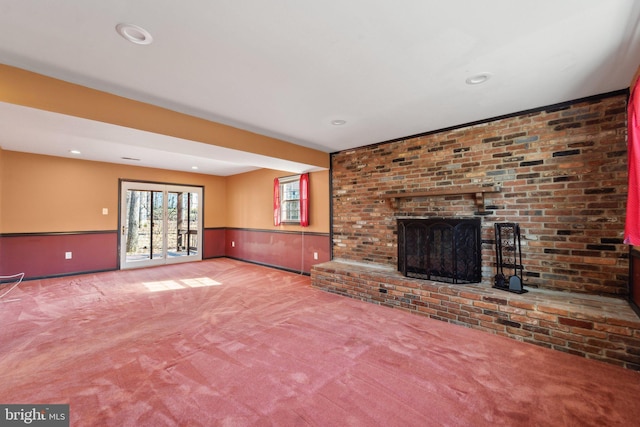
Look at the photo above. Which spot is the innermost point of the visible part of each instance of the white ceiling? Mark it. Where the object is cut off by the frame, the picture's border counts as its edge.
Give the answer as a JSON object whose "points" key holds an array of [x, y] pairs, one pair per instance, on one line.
{"points": [[287, 68]]}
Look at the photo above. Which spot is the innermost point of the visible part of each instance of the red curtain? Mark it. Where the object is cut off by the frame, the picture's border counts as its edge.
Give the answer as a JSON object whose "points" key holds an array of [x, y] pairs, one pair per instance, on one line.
{"points": [[632, 224], [276, 201], [304, 200]]}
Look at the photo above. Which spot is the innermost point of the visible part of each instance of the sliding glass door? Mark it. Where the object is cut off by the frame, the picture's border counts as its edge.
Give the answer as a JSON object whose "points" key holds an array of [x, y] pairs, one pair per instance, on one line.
{"points": [[159, 224]]}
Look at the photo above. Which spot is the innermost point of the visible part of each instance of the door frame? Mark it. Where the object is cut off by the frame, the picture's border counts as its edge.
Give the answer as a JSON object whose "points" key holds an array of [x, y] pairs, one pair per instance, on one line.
{"points": [[128, 184]]}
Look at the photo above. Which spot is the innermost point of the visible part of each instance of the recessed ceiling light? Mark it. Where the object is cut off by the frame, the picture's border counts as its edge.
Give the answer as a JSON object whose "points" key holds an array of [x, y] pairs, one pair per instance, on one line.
{"points": [[195, 168], [478, 79], [76, 152], [134, 34], [338, 122]]}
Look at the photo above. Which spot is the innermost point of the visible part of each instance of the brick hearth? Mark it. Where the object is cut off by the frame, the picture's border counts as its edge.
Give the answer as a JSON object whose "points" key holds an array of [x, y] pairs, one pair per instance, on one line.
{"points": [[595, 327]]}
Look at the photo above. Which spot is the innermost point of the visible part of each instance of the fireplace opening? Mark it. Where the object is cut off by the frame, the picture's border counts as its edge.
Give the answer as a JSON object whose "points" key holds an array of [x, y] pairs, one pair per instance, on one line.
{"points": [[440, 249]]}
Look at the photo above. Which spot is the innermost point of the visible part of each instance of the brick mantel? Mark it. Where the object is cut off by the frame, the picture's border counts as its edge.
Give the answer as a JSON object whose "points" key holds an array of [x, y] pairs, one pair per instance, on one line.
{"points": [[477, 191]]}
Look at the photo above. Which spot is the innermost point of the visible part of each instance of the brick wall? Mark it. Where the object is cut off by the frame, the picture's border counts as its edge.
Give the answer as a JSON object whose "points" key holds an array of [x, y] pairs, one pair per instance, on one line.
{"points": [[562, 173]]}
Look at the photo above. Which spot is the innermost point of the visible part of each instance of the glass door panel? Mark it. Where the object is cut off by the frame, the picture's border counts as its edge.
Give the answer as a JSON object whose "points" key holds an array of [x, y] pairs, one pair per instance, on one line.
{"points": [[157, 226], [173, 225], [183, 225]]}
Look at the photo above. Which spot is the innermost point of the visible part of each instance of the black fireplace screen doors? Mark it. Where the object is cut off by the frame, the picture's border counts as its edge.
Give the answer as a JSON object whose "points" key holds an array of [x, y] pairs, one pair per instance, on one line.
{"points": [[440, 249]]}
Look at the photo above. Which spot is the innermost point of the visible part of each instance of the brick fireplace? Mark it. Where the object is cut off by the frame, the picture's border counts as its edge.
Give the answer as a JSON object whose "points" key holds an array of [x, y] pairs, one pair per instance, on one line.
{"points": [[559, 172]]}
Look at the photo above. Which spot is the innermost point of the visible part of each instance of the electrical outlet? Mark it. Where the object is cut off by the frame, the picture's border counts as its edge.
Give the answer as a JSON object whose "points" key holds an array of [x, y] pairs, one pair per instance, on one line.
{"points": [[315, 255], [233, 244], [68, 255], [105, 211]]}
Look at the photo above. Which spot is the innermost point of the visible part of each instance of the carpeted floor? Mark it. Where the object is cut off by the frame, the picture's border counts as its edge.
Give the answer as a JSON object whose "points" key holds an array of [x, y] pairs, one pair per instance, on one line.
{"points": [[222, 342]]}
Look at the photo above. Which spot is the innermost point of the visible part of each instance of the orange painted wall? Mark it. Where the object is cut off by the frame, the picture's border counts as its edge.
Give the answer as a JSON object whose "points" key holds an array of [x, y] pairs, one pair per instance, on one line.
{"points": [[54, 194], [250, 201]]}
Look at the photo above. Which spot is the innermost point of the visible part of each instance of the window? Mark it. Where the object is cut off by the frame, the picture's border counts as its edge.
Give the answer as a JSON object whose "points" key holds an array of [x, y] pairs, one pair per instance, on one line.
{"points": [[291, 200]]}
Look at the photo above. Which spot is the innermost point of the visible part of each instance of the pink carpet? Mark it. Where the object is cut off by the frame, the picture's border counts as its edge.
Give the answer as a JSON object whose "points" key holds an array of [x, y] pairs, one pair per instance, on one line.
{"points": [[226, 343]]}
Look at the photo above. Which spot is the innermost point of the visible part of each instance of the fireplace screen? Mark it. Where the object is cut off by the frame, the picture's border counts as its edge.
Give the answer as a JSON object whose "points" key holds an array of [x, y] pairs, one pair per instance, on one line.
{"points": [[440, 249]]}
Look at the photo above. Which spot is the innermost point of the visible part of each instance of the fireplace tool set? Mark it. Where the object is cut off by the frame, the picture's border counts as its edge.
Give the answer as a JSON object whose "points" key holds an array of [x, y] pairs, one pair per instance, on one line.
{"points": [[509, 266]]}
